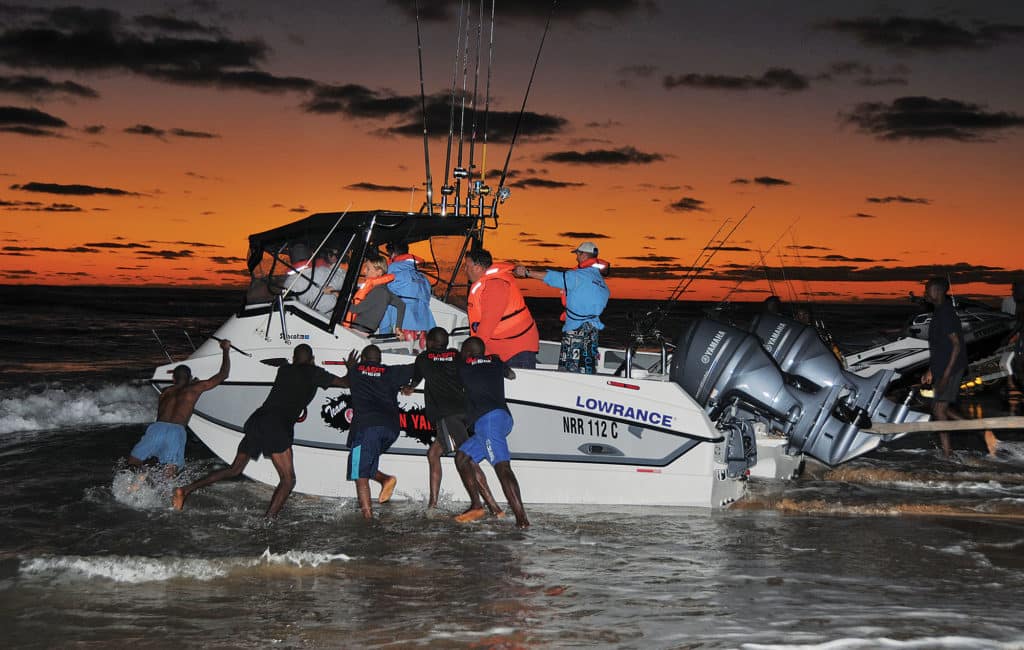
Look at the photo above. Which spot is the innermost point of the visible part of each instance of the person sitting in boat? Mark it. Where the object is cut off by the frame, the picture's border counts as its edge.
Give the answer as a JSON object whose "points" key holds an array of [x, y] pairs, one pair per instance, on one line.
{"points": [[484, 379], [375, 421], [326, 278], [498, 315], [270, 430], [165, 438], [372, 299], [585, 295], [445, 400], [413, 288]]}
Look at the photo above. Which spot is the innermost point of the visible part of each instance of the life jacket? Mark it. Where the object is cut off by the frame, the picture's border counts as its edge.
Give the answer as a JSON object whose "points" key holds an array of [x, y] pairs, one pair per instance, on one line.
{"points": [[516, 319], [414, 289], [364, 290], [588, 299]]}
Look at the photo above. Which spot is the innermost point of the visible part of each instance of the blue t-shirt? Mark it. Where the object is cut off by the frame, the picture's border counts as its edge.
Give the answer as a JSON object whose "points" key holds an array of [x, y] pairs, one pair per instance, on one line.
{"points": [[375, 394], [586, 296]]}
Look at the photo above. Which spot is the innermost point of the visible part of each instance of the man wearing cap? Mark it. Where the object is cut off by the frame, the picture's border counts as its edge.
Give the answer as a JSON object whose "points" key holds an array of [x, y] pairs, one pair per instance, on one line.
{"points": [[585, 295]]}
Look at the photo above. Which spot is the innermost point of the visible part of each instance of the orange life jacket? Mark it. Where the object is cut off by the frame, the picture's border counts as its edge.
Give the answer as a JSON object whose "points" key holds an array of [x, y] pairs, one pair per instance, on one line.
{"points": [[516, 319], [364, 290]]}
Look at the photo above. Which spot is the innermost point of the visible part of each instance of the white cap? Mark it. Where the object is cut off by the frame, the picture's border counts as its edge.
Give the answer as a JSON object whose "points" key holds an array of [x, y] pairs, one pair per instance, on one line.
{"points": [[586, 247]]}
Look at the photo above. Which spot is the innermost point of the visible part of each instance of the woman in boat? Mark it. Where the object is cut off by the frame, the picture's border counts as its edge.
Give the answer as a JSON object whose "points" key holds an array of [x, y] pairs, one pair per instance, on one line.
{"points": [[372, 299]]}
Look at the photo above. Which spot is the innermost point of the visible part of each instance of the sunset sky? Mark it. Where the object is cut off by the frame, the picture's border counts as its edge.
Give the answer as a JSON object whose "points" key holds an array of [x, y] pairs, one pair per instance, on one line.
{"points": [[879, 143]]}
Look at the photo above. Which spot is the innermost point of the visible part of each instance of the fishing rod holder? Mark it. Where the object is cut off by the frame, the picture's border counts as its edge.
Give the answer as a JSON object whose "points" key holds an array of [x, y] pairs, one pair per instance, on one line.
{"points": [[460, 172], [447, 190], [503, 194]]}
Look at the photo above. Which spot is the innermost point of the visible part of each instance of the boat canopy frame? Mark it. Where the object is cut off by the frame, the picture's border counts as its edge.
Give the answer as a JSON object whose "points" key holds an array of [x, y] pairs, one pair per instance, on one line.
{"points": [[363, 232]]}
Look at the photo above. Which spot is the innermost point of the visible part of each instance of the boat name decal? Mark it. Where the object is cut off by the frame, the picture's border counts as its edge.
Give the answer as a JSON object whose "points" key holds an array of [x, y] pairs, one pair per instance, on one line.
{"points": [[628, 412], [774, 338], [300, 337], [706, 358]]}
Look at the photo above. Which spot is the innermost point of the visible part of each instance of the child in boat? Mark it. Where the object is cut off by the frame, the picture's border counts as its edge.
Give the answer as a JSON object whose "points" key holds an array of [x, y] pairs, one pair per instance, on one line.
{"points": [[373, 297], [484, 380]]}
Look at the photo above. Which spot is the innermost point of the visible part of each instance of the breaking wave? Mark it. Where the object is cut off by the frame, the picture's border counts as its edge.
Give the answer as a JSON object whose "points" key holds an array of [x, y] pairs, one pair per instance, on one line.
{"points": [[925, 643], [55, 407], [787, 505], [134, 569]]}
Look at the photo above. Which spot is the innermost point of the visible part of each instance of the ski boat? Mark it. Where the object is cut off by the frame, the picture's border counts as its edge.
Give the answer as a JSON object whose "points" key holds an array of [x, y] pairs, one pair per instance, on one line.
{"points": [[684, 427], [983, 328]]}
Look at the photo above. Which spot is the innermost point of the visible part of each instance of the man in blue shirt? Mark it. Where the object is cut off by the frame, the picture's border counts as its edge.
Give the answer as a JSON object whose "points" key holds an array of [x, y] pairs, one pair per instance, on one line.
{"points": [[585, 295]]}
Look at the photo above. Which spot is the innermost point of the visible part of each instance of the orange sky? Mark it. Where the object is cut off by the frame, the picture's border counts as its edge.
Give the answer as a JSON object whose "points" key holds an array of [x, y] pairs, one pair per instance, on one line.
{"points": [[690, 88]]}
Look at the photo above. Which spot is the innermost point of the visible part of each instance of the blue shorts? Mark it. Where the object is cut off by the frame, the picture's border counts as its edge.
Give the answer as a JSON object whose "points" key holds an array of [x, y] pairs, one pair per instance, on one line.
{"points": [[489, 439], [367, 446], [163, 440]]}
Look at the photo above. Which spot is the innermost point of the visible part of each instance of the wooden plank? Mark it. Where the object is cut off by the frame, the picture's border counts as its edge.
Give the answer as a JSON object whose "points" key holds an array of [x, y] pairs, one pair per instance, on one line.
{"points": [[980, 424]]}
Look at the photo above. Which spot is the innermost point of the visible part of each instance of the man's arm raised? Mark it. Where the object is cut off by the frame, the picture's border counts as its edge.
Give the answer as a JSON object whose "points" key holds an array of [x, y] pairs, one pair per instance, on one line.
{"points": [[222, 374]]}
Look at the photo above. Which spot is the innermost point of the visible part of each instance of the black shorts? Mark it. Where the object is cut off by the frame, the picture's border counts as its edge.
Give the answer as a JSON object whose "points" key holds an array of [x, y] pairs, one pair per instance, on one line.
{"points": [[452, 432], [265, 434], [951, 393]]}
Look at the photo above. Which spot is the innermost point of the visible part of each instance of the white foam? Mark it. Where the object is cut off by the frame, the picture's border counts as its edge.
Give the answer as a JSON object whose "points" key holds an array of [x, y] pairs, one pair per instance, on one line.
{"points": [[133, 569], [27, 409], [951, 642]]}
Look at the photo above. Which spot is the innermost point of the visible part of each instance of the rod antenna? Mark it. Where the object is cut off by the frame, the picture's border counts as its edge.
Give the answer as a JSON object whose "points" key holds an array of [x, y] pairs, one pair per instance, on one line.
{"points": [[423, 108]]}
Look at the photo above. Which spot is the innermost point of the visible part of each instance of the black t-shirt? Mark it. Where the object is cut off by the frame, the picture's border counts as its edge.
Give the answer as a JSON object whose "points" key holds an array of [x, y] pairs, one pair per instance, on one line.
{"points": [[375, 394], [484, 379], [294, 388], [443, 393], [945, 322]]}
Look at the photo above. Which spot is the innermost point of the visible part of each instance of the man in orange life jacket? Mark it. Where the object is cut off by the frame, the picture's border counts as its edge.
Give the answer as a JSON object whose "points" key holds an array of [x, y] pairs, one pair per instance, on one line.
{"points": [[585, 295], [497, 312]]}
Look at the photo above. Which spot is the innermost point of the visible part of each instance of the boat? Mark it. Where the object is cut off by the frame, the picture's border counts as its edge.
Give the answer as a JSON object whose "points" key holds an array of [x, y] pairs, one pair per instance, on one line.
{"points": [[683, 426], [984, 327]]}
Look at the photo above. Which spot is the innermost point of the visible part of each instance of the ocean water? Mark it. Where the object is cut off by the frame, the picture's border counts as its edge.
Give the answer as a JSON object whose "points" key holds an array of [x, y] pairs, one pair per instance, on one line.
{"points": [[898, 549]]}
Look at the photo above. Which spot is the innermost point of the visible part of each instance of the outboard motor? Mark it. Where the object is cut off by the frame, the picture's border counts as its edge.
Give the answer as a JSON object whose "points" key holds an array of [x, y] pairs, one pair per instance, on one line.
{"points": [[855, 401], [792, 384]]}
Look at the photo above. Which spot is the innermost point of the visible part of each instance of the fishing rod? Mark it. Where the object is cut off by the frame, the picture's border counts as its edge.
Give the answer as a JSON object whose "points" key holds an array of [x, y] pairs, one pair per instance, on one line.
{"points": [[503, 192], [678, 289], [800, 262], [162, 347], [793, 295], [764, 267], [470, 190], [758, 263], [460, 172], [482, 189], [423, 108], [446, 188]]}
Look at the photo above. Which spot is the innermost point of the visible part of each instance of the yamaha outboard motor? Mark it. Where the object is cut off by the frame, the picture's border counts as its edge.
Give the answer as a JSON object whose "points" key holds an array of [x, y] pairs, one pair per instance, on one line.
{"points": [[853, 401], [809, 399]]}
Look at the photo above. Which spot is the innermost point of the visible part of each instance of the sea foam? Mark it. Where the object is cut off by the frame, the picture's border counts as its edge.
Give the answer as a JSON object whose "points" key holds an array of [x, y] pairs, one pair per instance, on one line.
{"points": [[134, 569], [57, 407]]}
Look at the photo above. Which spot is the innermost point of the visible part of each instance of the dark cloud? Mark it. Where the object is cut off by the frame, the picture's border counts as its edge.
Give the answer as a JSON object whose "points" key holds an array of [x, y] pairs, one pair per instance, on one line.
{"points": [[226, 259], [767, 181], [808, 247], [673, 238], [664, 188], [193, 244], [960, 273], [895, 75], [146, 129], [109, 244], [36, 206], [532, 10], [899, 199], [863, 215], [740, 181], [242, 272], [50, 249], [185, 133], [172, 24], [14, 116], [573, 234], [500, 124], [543, 183], [641, 70], [31, 131], [651, 258], [687, 204], [366, 186], [94, 129], [17, 273], [540, 243], [874, 82], [649, 272], [301, 209], [75, 189], [735, 249], [924, 118], [40, 87], [165, 254], [607, 124], [621, 156], [900, 33], [782, 79]]}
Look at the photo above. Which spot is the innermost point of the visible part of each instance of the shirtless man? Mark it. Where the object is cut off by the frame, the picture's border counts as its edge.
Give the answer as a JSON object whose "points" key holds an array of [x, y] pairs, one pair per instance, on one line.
{"points": [[165, 438]]}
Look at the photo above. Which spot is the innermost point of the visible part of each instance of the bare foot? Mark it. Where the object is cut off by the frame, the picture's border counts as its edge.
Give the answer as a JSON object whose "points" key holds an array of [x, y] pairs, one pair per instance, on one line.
{"points": [[368, 515], [522, 523], [991, 442], [178, 500], [387, 489], [499, 513], [472, 514]]}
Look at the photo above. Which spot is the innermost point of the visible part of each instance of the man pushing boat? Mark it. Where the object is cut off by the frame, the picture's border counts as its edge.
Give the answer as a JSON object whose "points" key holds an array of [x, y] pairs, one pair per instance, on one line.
{"points": [[270, 430], [165, 438]]}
